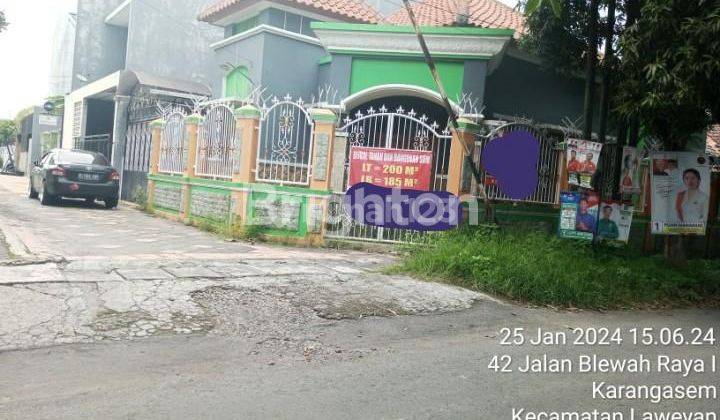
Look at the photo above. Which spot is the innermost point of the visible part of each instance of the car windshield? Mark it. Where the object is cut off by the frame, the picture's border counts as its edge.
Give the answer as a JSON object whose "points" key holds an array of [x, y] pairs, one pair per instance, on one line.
{"points": [[82, 158]]}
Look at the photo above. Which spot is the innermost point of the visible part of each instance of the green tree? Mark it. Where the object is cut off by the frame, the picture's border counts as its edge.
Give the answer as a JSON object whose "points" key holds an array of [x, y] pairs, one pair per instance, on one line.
{"points": [[671, 67], [560, 41], [669, 75], [59, 104], [22, 114], [8, 131], [3, 22], [565, 36], [534, 5]]}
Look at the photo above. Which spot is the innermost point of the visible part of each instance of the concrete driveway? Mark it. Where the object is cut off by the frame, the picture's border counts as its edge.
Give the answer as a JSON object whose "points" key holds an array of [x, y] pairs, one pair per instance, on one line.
{"points": [[116, 314]]}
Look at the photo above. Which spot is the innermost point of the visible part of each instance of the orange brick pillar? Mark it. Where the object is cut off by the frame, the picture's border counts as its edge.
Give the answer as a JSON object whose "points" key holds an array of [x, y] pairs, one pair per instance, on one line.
{"points": [[157, 127], [325, 121], [192, 123], [247, 125], [459, 174]]}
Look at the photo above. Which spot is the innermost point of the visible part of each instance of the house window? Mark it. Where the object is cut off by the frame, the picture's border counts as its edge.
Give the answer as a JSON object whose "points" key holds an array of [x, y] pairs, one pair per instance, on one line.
{"points": [[237, 83], [245, 25]]}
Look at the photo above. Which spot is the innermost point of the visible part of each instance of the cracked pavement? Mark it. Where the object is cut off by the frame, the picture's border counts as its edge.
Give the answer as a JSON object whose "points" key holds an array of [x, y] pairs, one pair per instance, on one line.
{"points": [[89, 275]]}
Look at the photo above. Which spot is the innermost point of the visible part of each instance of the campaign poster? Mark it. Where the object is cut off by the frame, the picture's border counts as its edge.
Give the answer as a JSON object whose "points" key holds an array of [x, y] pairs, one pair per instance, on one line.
{"points": [[614, 222], [582, 161], [631, 172], [680, 193], [391, 168], [579, 214]]}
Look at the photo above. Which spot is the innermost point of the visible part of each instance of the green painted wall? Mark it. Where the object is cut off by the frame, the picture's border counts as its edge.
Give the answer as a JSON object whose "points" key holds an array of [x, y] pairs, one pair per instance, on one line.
{"points": [[369, 72], [302, 220]]}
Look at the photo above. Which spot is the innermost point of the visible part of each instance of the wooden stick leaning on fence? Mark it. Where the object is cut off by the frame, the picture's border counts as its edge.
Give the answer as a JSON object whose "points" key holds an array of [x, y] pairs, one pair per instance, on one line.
{"points": [[489, 210]]}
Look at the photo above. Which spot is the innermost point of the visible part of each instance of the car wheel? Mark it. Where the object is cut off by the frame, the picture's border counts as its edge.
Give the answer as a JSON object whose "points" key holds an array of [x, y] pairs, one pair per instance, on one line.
{"points": [[32, 194], [45, 198], [111, 203], [90, 201]]}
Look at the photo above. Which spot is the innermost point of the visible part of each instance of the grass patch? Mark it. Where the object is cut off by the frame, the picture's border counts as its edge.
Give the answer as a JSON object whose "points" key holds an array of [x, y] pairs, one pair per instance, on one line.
{"points": [[539, 268]]}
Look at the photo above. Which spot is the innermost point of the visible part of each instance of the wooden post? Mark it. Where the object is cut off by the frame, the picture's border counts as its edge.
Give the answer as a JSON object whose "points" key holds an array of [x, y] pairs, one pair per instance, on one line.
{"points": [[648, 239], [325, 121], [459, 175], [157, 127], [247, 120], [192, 123], [562, 180], [712, 213]]}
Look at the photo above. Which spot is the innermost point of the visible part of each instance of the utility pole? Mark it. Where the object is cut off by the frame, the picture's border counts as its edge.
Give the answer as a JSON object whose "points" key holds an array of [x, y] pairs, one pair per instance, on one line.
{"points": [[591, 62], [463, 14], [489, 213]]}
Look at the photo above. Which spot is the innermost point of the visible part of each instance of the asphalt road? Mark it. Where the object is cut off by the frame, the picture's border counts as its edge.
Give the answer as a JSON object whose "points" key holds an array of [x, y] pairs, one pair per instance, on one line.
{"points": [[270, 332]]}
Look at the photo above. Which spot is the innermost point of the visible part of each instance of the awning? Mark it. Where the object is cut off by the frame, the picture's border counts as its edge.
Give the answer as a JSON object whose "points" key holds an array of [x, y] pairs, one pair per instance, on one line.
{"points": [[130, 79]]}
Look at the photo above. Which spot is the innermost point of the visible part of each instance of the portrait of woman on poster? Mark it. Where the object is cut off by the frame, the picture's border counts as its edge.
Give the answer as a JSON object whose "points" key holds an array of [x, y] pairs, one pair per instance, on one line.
{"points": [[629, 170], [691, 204]]}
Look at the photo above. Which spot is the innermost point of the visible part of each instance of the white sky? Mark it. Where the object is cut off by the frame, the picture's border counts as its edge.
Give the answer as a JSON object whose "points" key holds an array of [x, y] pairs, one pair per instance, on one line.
{"points": [[25, 51]]}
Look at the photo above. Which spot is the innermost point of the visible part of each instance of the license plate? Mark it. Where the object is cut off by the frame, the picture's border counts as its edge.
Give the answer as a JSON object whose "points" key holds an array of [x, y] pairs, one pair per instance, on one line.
{"points": [[89, 177]]}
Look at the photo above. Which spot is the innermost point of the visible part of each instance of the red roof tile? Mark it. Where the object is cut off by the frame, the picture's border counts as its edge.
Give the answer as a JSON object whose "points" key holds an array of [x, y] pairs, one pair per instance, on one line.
{"points": [[483, 13], [351, 10], [713, 141]]}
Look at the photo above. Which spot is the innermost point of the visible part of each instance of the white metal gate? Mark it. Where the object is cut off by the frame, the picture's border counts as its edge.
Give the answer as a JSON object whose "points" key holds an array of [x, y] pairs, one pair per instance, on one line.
{"points": [[399, 129]]}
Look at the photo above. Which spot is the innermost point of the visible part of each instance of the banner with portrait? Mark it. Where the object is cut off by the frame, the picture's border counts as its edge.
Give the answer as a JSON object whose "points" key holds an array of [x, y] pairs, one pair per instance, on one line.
{"points": [[578, 214], [680, 193], [614, 221], [582, 161], [631, 172]]}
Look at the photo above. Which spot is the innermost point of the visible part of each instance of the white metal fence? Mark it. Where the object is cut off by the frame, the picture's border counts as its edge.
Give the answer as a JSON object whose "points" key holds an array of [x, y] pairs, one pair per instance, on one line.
{"points": [[285, 143], [217, 144], [547, 168], [174, 145]]}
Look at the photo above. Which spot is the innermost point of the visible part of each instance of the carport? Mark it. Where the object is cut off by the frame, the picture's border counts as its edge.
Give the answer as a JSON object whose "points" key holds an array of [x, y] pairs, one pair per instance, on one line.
{"points": [[112, 116]]}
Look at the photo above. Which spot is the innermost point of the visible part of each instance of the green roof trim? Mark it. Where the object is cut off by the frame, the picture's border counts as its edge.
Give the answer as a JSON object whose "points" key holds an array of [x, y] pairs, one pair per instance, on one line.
{"points": [[408, 54], [325, 60], [406, 29]]}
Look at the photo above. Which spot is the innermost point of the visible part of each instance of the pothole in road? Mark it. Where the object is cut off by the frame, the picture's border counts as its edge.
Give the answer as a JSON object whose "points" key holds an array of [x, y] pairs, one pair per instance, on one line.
{"points": [[279, 321]]}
